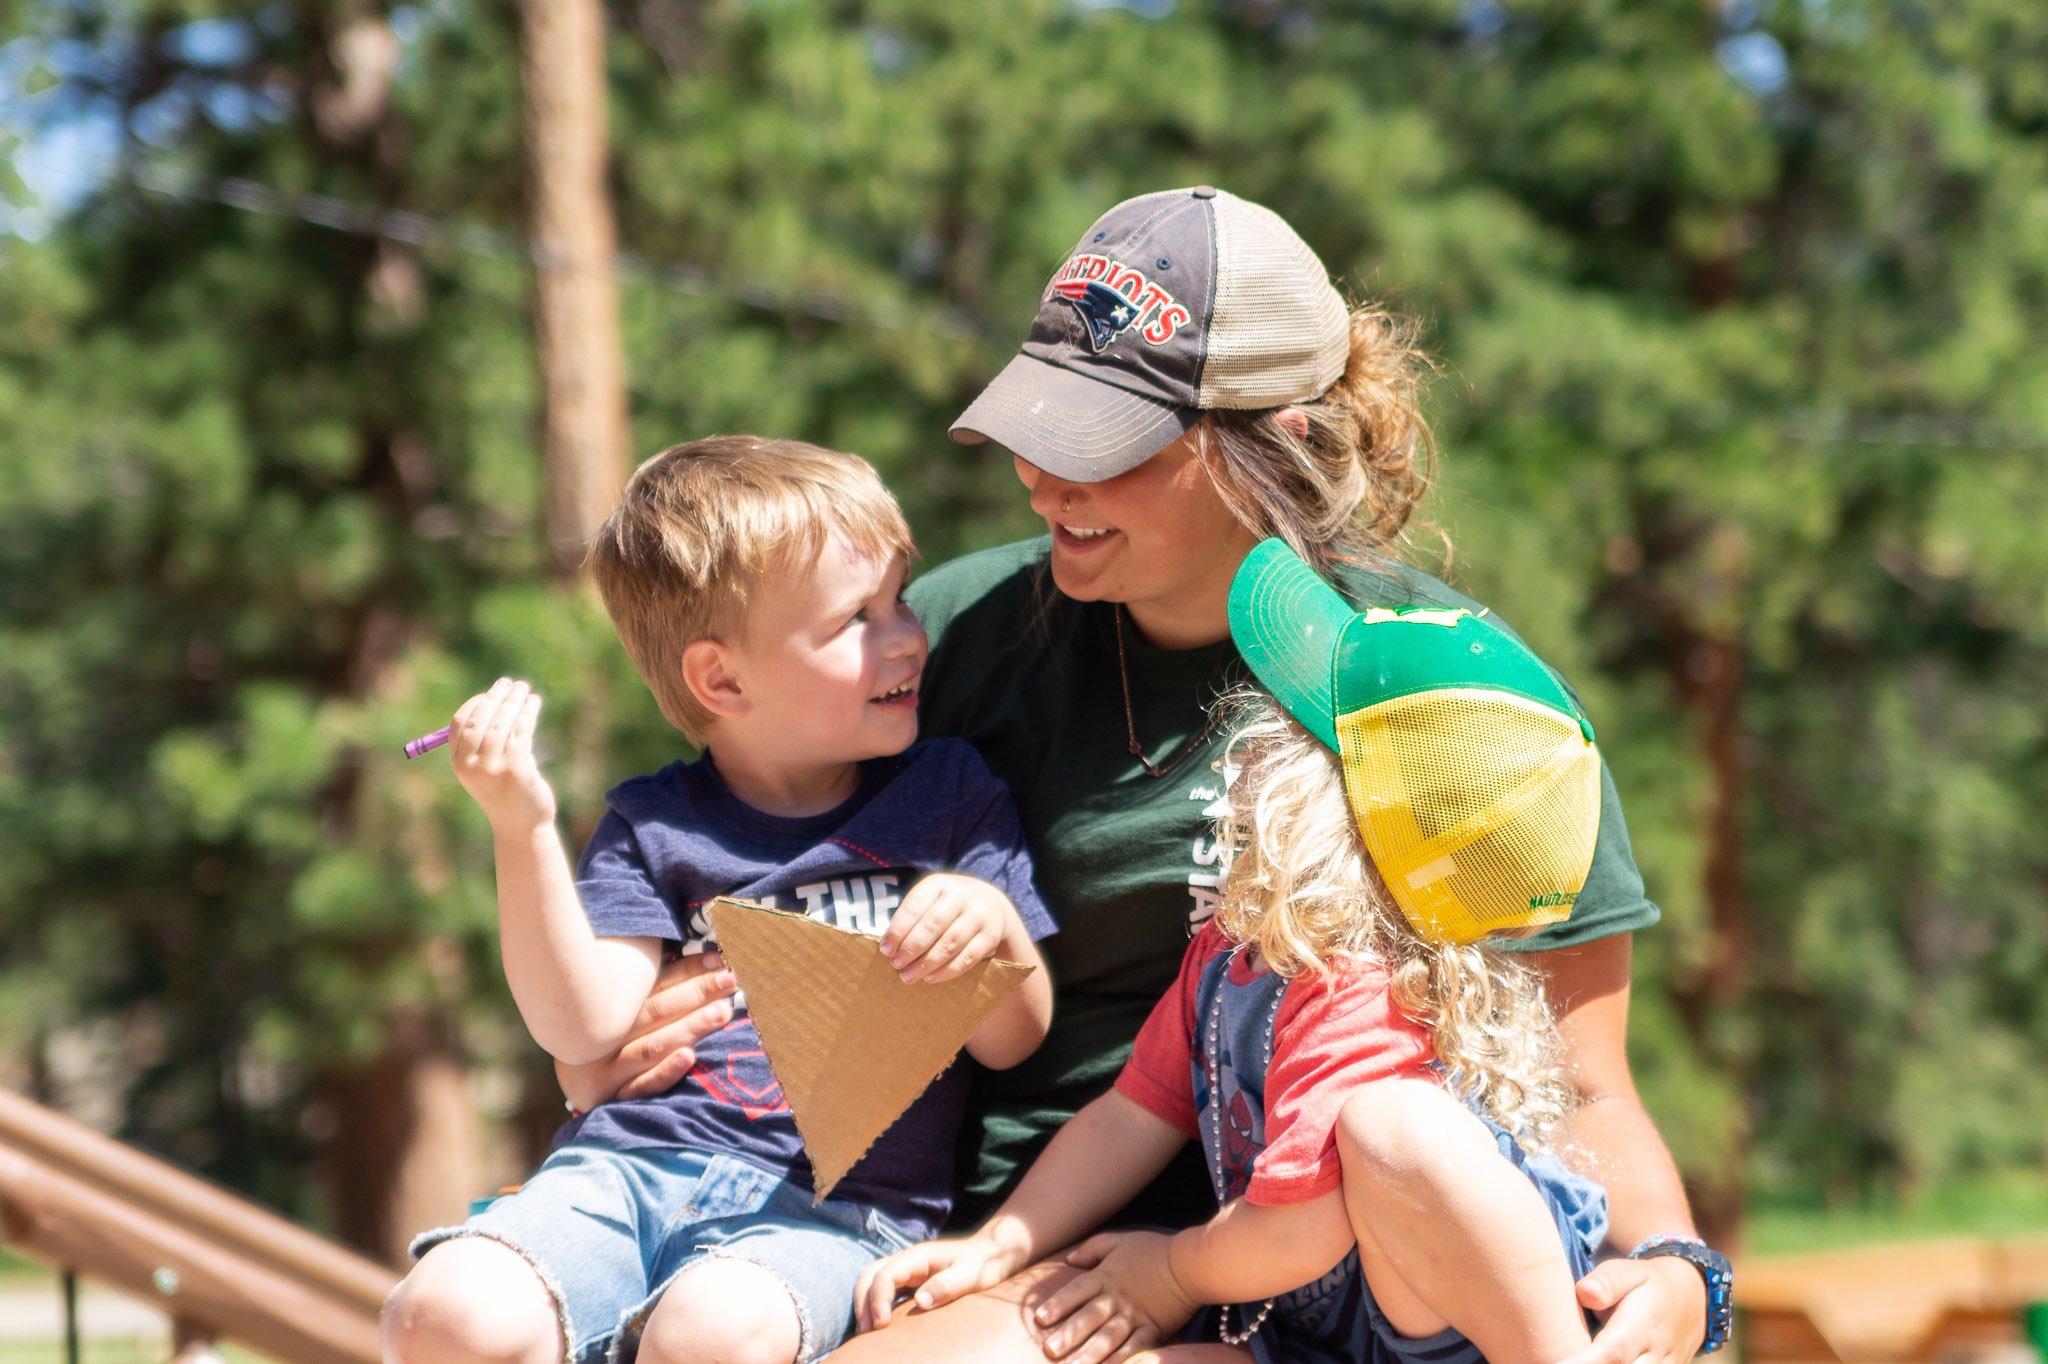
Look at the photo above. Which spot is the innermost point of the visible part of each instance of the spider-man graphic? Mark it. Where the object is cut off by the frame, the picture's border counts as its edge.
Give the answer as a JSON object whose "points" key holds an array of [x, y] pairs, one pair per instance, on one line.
{"points": [[1241, 1139]]}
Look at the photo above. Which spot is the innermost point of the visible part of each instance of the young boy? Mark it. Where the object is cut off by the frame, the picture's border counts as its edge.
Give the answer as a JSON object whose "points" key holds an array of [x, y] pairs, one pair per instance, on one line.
{"points": [[757, 586]]}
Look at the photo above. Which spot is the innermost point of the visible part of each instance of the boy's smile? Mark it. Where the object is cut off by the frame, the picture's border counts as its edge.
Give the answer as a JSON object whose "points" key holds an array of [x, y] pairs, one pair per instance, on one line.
{"points": [[828, 664]]}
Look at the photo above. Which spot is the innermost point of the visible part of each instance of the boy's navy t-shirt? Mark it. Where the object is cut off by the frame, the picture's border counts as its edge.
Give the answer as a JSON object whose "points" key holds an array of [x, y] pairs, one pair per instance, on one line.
{"points": [[672, 842]]}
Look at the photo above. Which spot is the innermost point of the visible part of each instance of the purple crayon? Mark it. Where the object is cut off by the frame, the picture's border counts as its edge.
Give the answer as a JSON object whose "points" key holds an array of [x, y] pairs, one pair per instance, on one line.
{"points": [[427, 743]]}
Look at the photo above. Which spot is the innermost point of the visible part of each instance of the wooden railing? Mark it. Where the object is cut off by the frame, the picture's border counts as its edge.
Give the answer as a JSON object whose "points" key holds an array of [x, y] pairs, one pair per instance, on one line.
{"points": [[1928, 1302], [220, 1267]]}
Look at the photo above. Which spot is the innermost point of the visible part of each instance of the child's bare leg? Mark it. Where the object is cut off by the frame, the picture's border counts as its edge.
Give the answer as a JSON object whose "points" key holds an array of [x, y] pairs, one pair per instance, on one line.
{"points": [[1449, 1232], [723, 1311], [471, 1301]]}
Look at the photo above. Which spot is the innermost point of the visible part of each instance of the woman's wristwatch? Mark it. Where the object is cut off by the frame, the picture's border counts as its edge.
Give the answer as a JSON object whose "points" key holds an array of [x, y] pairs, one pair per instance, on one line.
{"points": [[1713, 1267]]}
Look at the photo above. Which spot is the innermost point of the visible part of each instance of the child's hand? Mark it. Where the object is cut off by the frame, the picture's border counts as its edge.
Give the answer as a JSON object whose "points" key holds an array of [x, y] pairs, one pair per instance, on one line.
{"points": [[1128, 1300], [947, 925], [940, 1271], [490, 746]]}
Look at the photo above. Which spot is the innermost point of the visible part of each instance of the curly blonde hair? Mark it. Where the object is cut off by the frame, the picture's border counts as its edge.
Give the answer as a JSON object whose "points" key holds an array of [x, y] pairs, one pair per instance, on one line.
{"points": [[1301, 889]]}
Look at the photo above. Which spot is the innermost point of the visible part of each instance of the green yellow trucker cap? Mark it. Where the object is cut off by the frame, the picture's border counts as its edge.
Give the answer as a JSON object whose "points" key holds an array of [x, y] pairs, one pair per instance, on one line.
{"points": [[1470, 770]]}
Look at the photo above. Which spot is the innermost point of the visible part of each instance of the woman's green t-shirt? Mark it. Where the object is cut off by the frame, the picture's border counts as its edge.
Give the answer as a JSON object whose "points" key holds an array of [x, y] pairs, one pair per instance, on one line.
{"points": [[1128, 863]]}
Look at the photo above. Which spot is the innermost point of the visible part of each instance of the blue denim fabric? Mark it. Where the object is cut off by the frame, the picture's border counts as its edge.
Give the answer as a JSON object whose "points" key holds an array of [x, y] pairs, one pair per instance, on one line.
{"points": [[608, 1231], [1335, 1320]]}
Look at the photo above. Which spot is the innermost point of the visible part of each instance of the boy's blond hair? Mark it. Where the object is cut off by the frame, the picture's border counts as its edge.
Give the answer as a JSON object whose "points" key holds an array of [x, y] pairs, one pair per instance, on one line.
{"points": [[702, 524], [1301, 889]]}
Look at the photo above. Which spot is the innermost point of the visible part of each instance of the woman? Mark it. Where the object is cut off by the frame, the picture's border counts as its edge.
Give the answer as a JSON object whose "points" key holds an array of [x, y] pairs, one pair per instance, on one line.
{"points": [[1193, 384]]}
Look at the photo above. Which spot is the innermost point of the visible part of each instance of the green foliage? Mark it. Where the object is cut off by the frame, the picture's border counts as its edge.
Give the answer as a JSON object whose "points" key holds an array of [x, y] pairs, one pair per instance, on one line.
{"points": [[1735, 363]]}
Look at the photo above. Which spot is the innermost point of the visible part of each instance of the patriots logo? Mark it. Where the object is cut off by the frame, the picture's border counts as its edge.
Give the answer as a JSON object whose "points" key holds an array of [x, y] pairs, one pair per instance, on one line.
{"points": [[1107, 312]]}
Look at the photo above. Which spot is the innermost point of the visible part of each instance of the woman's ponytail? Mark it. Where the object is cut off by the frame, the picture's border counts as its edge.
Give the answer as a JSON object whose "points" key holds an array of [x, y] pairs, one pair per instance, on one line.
{"points": [[1346, 488]]}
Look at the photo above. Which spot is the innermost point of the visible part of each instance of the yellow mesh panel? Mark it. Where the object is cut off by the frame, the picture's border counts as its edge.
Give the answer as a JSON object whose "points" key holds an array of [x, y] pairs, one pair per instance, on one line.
{"points": [[1480, 808]]}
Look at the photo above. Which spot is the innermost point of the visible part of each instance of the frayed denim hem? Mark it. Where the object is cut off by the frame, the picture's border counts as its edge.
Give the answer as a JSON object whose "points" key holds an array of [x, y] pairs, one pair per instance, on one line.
{"points": [[635, 1323], [427, 1240]]}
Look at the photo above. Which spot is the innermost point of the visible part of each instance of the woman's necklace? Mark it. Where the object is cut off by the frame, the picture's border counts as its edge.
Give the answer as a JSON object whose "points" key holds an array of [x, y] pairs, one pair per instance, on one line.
{"points": [[1123, 672], [1216, 1172]]}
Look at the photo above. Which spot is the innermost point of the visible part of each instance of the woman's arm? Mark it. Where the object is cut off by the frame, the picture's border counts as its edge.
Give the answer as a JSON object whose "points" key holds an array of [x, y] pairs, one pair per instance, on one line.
{"points": [[691, 999], [1656, 1310]]}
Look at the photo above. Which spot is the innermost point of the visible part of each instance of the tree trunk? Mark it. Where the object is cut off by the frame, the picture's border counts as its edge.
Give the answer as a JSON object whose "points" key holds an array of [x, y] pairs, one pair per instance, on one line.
{"points": [[1708, 665], [405, 1147], [406, 1152], [576, 306]]}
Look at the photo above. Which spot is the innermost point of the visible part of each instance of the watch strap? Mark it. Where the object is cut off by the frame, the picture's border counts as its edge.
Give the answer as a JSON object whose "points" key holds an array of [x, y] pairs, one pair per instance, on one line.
{"points": [[1714, 1268]]}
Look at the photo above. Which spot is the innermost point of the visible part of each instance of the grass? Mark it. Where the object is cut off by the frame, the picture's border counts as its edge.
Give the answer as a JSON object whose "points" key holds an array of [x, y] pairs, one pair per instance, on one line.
{"points": [[19, 1275], [91, 1350], [2008, 1205], [108, 1350]]}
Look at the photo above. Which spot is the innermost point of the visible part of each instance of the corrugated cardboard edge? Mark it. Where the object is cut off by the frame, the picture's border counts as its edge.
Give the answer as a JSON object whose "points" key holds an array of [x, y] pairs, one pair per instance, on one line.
{"points": [[850, 1043]]}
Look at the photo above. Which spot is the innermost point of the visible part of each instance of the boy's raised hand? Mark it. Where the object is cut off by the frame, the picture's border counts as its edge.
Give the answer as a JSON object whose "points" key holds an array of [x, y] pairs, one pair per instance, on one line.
{"points": [[946, 926], [490, 746]]}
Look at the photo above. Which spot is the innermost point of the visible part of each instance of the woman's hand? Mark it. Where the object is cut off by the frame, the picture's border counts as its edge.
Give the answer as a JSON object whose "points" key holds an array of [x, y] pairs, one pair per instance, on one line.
{"points": [[940, 1271], [1652, 1311], [1128, 1301], [691, 999], [946, 926]]}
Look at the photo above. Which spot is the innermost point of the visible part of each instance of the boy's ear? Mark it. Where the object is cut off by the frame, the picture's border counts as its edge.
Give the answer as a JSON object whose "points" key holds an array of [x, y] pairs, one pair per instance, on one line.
{"points": [[708, 673]]}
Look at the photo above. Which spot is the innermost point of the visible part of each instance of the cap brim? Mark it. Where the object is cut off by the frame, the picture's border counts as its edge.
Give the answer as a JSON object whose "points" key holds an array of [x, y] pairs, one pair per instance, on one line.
{"points": [[1069, 425], [1287, 623]]}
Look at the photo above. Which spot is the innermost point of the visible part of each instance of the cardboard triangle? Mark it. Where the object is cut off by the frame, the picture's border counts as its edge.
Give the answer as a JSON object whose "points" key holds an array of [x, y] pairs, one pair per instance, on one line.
{"points": [[851, 1044]]}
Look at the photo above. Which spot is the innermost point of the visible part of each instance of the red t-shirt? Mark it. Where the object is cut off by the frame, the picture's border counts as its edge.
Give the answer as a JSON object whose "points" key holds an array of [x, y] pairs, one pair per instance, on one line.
{"points": [[1334, 1032]]}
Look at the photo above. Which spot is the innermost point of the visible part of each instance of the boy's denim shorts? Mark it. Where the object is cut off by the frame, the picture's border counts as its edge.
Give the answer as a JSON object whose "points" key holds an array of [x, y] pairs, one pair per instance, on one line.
{"points": [[607, 1231], [1336, 1321]]}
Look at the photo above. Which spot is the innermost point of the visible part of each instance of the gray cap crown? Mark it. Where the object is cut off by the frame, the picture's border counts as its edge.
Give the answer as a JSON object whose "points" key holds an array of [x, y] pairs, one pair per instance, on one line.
{"points": [[1170, 305]]}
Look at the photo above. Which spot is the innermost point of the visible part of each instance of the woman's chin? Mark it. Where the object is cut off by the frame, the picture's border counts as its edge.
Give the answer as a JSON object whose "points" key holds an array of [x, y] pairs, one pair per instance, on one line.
{"points": [[1073, 580]]}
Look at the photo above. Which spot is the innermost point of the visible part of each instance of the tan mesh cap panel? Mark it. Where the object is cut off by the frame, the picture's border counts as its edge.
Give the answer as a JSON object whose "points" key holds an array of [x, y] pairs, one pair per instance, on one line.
{"points": [[1480, 808], [1278, 332]]}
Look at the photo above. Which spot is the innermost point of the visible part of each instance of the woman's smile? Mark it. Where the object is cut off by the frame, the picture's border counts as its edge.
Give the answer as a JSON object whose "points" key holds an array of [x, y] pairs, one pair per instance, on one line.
{"points": [[1157, 539], [1079, 539]]}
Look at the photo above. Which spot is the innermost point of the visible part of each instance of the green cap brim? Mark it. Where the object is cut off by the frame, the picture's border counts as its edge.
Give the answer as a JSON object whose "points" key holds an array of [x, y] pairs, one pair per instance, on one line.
{"points": [[1287, 624]]}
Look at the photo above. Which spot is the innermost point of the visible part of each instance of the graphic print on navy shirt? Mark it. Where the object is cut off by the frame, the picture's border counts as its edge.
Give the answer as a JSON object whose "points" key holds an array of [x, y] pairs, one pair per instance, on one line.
{"points": [[672, 842]]}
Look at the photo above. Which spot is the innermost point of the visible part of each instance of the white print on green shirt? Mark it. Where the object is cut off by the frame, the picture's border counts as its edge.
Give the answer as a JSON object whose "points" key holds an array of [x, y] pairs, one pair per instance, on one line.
{"points": [[1205, 882]]}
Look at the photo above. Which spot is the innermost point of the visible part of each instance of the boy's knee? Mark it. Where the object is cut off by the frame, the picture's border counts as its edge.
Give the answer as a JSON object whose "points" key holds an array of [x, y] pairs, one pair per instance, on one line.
{"points": [[471, 1301], [723, 1309], [1396, 1131]]}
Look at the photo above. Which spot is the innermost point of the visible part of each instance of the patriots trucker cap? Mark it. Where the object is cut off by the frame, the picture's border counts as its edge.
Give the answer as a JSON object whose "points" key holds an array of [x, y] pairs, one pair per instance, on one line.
{"points": [[1471, 772], [1170, 305]]}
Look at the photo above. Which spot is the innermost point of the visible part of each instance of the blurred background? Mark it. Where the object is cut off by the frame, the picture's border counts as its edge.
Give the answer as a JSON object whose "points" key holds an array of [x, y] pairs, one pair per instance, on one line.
{"points": [[306, 322]]}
